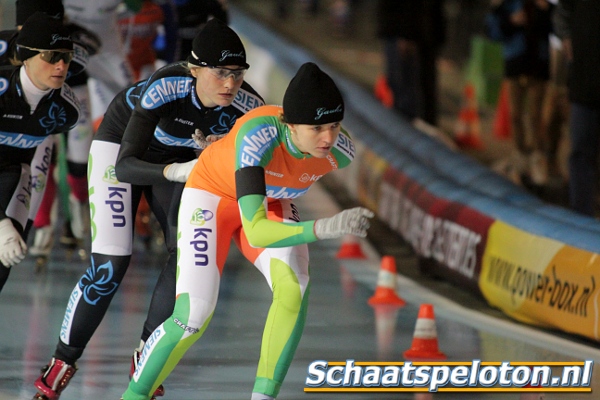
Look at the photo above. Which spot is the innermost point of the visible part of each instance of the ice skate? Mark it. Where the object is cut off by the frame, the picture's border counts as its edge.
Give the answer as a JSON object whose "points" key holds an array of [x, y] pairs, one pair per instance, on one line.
{"points": [[76, 228], [538, 168], [80, 217], [54, 379], [42, 246], [143, 226], [70, 242], [160, 390]]}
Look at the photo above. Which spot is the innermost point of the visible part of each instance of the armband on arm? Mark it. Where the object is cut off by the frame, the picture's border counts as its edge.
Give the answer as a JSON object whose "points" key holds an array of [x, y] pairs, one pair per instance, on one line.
{"points": [[250, 180]]}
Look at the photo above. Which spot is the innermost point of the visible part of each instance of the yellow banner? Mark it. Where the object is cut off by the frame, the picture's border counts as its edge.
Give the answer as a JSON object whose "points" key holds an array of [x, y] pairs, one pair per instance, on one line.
{"points": [[540, 281]]}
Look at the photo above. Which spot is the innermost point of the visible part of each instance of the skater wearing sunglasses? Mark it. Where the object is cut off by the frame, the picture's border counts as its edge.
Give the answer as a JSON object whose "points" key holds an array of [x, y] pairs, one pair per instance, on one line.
{"points": [[35, 102], [77, 141]]}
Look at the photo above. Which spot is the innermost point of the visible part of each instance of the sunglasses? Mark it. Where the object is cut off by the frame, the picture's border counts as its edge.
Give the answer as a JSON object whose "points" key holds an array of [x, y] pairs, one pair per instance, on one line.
{"points": [[53, 56], [225, 73]]}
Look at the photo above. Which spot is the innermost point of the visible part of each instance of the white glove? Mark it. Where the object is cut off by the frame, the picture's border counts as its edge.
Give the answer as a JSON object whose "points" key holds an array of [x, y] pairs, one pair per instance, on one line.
{"points": [[203, 141], [354, 221], [179, 172], [12, 246]]}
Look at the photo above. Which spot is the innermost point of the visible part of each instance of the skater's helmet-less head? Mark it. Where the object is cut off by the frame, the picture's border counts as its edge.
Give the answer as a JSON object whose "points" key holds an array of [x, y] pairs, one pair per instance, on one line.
{"points": [[217, 45], [312, 98], [313, 108]]}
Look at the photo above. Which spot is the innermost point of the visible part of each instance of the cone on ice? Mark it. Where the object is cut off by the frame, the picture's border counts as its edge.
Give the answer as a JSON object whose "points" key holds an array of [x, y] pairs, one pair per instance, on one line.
{"points": [[502, 125], [385, 292], [350, 248], [425, 343], [385, 327], [347, 281], [383, 92], [468, 128]]}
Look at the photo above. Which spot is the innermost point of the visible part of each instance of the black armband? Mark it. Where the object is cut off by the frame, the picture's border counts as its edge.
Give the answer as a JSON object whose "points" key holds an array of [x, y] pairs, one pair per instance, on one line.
{"points": [[250, 180]]}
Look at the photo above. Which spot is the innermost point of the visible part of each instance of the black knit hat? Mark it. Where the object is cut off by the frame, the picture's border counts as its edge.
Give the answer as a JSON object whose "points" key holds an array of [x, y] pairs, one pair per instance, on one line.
{"points": [[26, 8], [312, 98], [41, 31], [217, 45]]}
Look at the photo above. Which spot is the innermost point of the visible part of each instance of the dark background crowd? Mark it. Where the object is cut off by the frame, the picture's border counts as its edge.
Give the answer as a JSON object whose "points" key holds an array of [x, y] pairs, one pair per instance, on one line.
{"points": [[504, 59]]}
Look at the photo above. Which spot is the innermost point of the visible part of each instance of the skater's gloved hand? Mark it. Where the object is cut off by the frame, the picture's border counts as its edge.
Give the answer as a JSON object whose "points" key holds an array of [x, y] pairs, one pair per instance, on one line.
{"points": [[12, 246], [354, 221], [203, 141], [179, 172]]}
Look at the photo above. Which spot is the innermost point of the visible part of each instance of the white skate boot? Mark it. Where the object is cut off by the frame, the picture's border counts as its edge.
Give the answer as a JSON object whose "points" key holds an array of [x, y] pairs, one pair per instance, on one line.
{"points": [[42, 246]]}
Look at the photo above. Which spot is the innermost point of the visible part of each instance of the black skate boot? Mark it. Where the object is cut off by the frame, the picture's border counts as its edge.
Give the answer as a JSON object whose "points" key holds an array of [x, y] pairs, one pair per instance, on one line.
{"points": [[71, 243]]}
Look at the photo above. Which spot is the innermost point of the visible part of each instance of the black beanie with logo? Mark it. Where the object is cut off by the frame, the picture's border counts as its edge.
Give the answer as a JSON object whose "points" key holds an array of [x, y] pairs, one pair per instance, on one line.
{"points": [[43, 32], [217, 45], [312, 98], [26, 8]]}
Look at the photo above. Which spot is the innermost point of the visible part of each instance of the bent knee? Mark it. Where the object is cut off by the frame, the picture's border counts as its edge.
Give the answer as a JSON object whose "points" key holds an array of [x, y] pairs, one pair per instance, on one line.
{"points": [[289, 292], [192, 313]]}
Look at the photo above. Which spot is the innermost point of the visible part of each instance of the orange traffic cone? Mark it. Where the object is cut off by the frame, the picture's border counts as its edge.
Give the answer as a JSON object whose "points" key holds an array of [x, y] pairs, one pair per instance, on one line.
{"points": [[425, 343], [350, 248], [383, 92], [502, 123], [468, 129], [385, 292]]}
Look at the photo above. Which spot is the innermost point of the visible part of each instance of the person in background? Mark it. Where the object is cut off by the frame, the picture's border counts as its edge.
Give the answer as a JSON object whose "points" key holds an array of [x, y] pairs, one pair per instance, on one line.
{"points": [[139, 32], [413, 32], [243, 187], [166, 44], [144, 145], [283, 8], [191, 17], [523, 28], [145, 33], [577, 23], [109, 70], [556, 110], [34, 104]]}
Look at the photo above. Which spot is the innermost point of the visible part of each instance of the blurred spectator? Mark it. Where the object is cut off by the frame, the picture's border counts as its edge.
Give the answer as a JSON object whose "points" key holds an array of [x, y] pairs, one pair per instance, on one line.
{"points": [[191, 17], [556, 109], [139, 31], [577, 22], [523, 27], [167, 42], [283, 7], [413, 32], [109, 69]]}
